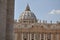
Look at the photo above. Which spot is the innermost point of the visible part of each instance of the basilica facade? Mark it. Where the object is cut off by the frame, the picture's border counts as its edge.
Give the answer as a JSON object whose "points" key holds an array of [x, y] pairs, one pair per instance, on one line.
{"points": [[28, 28]]}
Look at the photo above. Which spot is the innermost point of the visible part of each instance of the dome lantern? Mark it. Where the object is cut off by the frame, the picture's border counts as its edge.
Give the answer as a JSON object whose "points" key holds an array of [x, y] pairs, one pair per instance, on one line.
{"points": [[27, 8]]}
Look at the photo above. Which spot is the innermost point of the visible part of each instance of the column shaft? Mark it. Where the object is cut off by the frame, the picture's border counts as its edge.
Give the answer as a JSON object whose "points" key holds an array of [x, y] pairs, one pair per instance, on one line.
{"points": [[40, 36], [30, 36], [34, 37], [44, 36], [22, 36]]}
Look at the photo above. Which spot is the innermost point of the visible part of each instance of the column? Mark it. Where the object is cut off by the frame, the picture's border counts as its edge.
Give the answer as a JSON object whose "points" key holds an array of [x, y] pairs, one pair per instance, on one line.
{"points": [[30, 36], [40, 36], [9, 19], [18, 36], [54, 36], [34, 36], [44, 36], [57, 36], [15, 36], [22, 36], [51, 36]]}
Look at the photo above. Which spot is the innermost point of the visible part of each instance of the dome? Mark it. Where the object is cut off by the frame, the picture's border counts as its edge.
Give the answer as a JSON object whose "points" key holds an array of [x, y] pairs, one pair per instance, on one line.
{"points": [[27, 14]]}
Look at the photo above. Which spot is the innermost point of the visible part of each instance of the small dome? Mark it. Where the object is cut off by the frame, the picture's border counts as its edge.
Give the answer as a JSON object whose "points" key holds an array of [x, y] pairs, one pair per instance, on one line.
{"points": [[27, 14]]}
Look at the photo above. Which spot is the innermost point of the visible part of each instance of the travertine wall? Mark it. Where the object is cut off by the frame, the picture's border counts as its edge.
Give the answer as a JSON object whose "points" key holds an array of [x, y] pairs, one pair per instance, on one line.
{"points": [[6, 19]]}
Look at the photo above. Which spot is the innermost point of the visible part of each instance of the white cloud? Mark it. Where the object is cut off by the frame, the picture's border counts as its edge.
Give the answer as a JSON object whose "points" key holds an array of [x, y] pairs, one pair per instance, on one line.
{"points": [[54, 11]]}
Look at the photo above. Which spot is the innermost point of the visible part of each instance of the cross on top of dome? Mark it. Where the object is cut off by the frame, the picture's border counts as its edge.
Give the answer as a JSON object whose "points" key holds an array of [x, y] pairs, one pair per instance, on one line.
{"points": [[27, 8]]}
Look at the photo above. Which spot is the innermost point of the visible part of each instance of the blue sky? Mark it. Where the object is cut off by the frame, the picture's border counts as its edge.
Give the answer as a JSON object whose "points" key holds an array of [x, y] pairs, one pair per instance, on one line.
{"points": [[43, 9]]}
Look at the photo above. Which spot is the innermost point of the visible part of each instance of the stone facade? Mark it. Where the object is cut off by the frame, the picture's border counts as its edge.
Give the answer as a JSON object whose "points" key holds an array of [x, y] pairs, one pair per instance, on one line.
{"points": [[30, 29], [38, 29], [6, 19]]}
